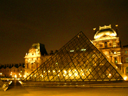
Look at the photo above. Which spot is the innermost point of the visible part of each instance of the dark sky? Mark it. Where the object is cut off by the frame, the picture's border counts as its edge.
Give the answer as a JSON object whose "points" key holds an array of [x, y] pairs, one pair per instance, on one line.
{"points": [[54, 22]]}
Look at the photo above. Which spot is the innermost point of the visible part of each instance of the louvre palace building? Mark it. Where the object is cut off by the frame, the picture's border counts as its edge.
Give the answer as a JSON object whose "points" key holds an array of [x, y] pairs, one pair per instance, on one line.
{"points": [[80, 59], [12, 70]]}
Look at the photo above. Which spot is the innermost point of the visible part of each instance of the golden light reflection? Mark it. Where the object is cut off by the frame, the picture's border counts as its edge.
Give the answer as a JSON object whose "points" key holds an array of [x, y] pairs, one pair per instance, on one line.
{"points": [[65, 71], [125, 78], [25, 76], [15, 76], [70, 74], [53, 71], [76, 74], [109, 74]]}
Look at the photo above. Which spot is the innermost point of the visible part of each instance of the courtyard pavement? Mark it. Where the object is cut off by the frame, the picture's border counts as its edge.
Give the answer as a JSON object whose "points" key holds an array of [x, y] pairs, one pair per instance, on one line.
{"points": [[18, 90], [38, 91]]}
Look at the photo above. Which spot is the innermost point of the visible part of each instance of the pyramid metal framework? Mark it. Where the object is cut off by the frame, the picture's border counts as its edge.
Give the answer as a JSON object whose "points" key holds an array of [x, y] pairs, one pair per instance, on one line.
{"points": [[77, 60]]}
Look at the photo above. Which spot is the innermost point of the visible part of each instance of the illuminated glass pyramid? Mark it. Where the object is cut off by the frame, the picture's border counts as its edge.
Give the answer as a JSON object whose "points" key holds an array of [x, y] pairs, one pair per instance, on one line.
{"points": [[77, 60]]}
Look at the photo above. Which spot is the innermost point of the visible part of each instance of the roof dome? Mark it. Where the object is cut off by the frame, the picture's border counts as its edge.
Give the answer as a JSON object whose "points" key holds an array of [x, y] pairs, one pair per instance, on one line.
{"points": [[105, 31]]}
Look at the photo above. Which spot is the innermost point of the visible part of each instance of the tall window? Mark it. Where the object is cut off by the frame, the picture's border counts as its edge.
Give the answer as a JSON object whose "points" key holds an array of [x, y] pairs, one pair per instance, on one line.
{"points": [[126, 59], [110, 44], [115, 59], [126, 69], [105, 44], [126, 52], [114, 44]]}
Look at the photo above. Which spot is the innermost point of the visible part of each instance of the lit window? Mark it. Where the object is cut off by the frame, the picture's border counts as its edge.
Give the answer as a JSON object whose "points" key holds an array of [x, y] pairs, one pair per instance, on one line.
{"points": [[115, 60], [114, 44], [83, 49], [126, 59], [126, 52], [114, 52], [126, 69], [53, 71], [71, 50], [105, 44]]}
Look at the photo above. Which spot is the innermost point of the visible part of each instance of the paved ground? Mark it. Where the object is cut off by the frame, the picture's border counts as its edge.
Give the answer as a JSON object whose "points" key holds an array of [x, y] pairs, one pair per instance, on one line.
{"points": [[17, 90]]}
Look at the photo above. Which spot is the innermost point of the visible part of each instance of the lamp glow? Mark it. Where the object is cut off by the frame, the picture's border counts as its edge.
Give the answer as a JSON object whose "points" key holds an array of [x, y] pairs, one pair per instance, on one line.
{"points": [[125, 78]]}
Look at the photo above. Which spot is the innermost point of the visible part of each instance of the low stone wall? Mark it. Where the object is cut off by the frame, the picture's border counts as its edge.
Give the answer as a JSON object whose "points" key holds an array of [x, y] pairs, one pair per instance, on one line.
{"points": [[5, 85], [74, 84]]}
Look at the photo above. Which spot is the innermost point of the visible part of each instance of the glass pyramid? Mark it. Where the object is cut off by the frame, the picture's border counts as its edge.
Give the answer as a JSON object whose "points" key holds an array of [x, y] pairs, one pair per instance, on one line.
{"points": [[77, 60]]}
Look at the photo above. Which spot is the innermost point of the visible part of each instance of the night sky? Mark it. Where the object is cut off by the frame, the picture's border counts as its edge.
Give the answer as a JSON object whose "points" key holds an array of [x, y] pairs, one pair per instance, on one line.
{"points": [[54, 22]]}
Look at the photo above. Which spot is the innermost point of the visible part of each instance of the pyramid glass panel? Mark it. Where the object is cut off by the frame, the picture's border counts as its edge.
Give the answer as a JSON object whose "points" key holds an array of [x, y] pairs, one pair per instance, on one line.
{"points": [[78, 60]]}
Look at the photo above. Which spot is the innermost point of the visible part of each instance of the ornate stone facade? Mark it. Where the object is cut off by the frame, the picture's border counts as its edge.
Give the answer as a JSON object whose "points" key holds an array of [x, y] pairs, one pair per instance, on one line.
{"points": [[36, 55], [107, 41], [12, 70]]}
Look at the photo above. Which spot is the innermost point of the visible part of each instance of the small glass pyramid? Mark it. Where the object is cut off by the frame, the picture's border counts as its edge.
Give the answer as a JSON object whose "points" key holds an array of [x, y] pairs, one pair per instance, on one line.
{"points": [[77, 60]]}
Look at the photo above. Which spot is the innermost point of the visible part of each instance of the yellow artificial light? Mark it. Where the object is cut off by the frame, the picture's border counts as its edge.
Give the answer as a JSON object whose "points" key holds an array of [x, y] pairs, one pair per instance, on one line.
{"points": [[53, 71], [15, 76], [125, 78]]}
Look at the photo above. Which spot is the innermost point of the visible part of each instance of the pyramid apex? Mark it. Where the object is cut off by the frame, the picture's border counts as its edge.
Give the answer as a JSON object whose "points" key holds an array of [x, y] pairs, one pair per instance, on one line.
{"points": [[81, 32]]}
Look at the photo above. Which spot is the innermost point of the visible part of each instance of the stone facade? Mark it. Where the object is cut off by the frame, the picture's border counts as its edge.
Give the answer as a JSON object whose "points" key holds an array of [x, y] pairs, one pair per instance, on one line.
{"points": [[107, 41], [12, 70], [36, 55], [124, 59]]}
